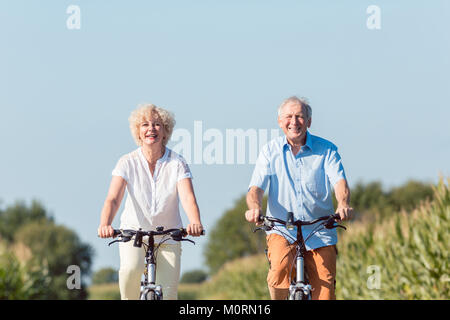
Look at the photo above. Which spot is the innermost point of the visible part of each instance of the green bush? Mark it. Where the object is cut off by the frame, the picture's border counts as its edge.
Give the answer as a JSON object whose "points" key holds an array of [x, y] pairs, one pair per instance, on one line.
{"points": [[105, 275], [53, 249], [11, 278], [18, 280], [194, 276], [189, 291], [57, 248]]}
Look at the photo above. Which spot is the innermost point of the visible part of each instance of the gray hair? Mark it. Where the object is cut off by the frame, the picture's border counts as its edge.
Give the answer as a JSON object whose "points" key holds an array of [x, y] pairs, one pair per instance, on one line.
{"points": [[301, 101]]}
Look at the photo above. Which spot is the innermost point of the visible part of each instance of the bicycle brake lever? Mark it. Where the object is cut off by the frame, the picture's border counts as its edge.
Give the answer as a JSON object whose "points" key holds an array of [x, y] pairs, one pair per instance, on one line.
{"points": [[121, 239], [335, 226], [187, 240], [114, 242], [330, 223], [264, 228]]}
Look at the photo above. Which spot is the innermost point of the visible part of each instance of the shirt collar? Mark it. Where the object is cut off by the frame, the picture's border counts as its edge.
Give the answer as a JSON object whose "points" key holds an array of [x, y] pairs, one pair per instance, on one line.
{"points": [[307, 144], [162, 159]]}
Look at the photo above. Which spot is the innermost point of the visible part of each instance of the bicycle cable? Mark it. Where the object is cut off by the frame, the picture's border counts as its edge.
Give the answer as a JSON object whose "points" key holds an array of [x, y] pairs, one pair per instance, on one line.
{"points": [[318, 228], [314, 231], [164, 238]]}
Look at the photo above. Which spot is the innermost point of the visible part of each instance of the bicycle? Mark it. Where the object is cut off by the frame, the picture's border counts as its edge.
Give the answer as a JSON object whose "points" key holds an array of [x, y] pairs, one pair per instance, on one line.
{"points": [[149, 289], [299, 289]]}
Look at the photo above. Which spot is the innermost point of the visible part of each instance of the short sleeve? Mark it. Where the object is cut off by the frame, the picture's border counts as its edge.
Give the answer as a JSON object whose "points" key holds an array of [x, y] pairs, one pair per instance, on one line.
{"points": [[183, 170], [333, 166], [122, 169], [261, 173]]}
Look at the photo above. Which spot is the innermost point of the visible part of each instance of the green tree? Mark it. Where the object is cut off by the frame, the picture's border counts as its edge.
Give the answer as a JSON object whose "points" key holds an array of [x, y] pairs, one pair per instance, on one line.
{"points": [[105, 275], [368, 196], [232, 237], [409, 195], [371, 201], [19, 214]]}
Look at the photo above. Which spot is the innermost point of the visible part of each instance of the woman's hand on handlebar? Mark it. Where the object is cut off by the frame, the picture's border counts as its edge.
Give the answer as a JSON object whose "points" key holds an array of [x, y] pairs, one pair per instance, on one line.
{"points": [[194, 229], [105, 231]]}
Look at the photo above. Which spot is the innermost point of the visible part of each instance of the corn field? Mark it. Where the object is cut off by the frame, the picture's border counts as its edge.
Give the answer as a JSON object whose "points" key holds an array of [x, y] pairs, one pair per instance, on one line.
{"points": [[405, 257]]}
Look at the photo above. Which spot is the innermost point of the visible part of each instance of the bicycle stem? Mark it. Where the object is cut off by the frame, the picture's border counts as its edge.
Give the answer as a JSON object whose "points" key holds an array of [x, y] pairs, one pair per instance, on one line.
{"points": [[150, 260], [300, 255], [300, 269], [151, 273]]}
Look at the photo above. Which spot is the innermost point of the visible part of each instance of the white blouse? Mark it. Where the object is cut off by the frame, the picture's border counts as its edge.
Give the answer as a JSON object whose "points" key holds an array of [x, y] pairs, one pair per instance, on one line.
{"points": [[152, 201]]}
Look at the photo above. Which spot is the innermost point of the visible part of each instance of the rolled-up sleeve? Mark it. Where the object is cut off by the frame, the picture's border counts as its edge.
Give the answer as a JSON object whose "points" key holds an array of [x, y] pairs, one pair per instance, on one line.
{"points": [[333, 166], [261, 173], [183, 170]]}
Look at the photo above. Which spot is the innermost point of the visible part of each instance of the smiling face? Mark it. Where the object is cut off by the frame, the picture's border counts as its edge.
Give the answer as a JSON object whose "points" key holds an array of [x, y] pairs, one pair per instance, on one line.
{"points": [[151, 131], [294, 122]]}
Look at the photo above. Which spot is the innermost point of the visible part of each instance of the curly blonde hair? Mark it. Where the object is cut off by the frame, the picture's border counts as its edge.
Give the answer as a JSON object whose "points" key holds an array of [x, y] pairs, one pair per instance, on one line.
{"points": [[143, 113]]}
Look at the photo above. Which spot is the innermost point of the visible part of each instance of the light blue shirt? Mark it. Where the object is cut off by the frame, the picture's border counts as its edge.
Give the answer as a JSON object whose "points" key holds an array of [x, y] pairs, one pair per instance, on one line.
{"points": [[301, 184]]}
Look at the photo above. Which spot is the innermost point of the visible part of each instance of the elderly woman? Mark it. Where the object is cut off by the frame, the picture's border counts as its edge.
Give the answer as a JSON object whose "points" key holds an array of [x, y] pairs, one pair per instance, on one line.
{"points": [[155, 178]]}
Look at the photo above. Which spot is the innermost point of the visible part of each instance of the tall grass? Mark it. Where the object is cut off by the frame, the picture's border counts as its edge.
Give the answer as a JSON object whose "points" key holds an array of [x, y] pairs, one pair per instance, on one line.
{"points": [[104, 291], [110, 291], [243, 278]]}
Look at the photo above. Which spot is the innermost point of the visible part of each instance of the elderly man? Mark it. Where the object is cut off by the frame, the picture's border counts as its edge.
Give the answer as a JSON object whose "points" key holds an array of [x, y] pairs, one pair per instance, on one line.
{"points": [[301, 169]]}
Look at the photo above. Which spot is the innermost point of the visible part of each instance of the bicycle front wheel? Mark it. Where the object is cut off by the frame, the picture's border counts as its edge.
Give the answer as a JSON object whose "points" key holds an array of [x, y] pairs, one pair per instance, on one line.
{"points": [[148, 295], [152, 295], [299, 295]]}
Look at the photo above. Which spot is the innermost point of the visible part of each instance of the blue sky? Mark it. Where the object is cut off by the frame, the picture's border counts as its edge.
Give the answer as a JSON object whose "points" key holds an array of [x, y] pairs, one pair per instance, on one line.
{"points": [[381, 95]]}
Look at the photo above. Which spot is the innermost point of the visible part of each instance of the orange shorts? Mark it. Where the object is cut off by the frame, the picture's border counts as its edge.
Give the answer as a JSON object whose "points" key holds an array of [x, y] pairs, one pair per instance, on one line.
{"points": [[320, 264]]}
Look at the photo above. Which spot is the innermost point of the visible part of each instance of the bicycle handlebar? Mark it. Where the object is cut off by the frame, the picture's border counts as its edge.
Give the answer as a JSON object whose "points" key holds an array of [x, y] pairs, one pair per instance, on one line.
{"points": [[151, 232], [128, 234], [269, 221]]}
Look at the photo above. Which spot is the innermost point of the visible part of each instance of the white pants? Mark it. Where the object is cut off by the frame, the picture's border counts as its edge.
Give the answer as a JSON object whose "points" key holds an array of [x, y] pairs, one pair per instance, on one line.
{"points": [[132, 261]]}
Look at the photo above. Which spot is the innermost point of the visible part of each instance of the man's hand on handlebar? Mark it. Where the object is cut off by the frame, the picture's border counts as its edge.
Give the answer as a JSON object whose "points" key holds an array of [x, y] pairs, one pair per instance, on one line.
{"points": [[345, 212], [252, 215]]}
